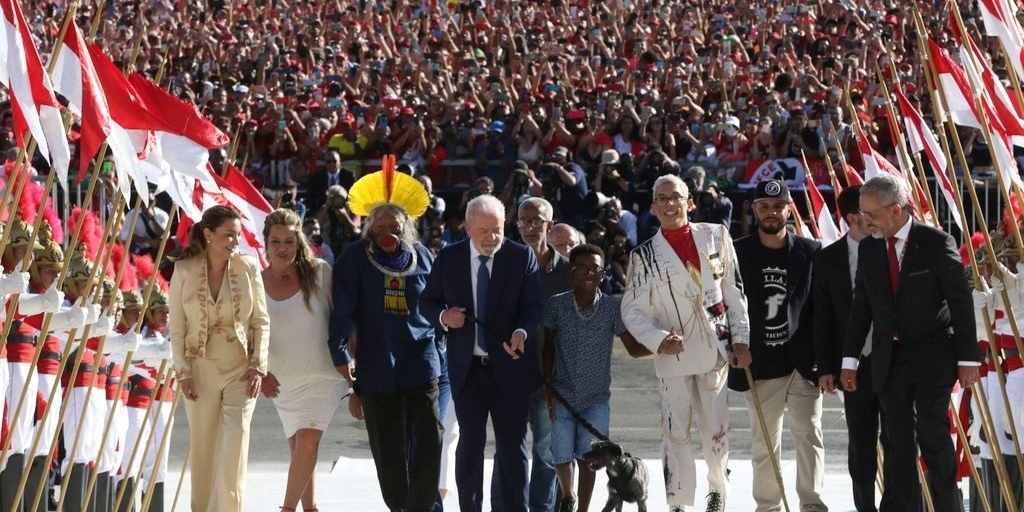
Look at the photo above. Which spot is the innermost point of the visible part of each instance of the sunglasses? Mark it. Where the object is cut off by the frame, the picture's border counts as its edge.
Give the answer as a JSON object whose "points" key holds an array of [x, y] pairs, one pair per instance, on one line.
{"points": [[584, 271]]}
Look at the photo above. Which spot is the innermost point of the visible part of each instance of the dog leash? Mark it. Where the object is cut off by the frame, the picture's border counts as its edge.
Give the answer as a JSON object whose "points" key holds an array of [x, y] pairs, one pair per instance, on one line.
{"points": [[576, 415]]}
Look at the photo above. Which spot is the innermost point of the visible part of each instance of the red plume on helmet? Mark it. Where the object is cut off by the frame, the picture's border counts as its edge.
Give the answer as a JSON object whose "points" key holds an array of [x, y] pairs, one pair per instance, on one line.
{"points": [[1015, 204], [92, 232], [146, 268], [977, 240], [130, 276], [56, 228], [28, 207]]}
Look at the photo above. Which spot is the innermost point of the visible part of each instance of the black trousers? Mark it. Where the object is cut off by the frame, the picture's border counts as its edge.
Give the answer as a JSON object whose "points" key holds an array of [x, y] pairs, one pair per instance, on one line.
{"points": [[863, 408], [914, 408], [407, 482]]}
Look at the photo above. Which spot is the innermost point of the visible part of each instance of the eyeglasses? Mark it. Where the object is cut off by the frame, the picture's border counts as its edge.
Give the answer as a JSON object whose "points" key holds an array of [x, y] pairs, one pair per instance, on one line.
{"points": [[565, 245], [532, 223], [874, 214], [584, 271], [672, 199], [333, 161]]}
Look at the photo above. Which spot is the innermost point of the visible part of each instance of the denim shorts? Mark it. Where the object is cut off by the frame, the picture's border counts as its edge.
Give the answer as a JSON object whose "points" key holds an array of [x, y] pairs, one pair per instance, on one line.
{"points": [[569, 439]]}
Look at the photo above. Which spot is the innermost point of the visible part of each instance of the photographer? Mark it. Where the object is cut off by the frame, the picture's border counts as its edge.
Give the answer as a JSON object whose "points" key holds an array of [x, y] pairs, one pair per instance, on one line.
{"points": [[613, 178], [311, 227], [521, 182], [567, 183], [710, 204], [340, 227]]}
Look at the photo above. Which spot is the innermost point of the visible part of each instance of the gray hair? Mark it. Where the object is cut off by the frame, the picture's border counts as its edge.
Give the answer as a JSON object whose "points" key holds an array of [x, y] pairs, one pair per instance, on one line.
{"points": [[888, 188], [670, 178], [542, 205], [484, 204], [696, 171], [573, 232], [409, 234]]}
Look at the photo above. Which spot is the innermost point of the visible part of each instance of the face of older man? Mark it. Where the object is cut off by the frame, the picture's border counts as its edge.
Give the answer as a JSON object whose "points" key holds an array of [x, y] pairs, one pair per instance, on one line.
{"points": [[487, 231], [884, 219]]}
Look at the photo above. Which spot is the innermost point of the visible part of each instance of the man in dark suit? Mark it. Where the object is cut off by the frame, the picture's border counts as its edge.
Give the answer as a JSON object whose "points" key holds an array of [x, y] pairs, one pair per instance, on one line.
{"points": [[834, 270], [776, 267], [910, 288], [331, 174], [485, 293]]}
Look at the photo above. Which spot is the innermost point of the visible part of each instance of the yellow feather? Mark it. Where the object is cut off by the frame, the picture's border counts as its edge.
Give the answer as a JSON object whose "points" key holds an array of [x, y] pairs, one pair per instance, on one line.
{"points": [[369, 192]]}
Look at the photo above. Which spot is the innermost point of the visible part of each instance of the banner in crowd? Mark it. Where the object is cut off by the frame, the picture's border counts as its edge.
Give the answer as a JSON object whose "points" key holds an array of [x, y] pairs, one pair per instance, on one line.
{"points": [[790, 170]]}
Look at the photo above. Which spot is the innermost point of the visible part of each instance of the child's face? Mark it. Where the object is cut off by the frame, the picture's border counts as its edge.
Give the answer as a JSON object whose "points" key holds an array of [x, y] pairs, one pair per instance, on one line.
{"points": [[587, 272]]}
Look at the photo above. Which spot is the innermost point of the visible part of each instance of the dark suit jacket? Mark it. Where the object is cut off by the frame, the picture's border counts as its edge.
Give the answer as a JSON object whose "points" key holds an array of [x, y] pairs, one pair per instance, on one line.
{"points": [[932, 312], [513, 302], [832, 291], [316, 189], [750, 253]]}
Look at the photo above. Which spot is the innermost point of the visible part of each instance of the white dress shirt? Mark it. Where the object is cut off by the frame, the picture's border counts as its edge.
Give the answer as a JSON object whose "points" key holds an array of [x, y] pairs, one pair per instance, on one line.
{"points": [[852, 254]]}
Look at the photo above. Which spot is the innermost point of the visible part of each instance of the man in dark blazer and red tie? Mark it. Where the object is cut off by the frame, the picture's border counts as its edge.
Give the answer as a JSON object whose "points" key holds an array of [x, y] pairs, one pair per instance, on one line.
{"points": [[910, 287], [832, 288], [484, 292]]}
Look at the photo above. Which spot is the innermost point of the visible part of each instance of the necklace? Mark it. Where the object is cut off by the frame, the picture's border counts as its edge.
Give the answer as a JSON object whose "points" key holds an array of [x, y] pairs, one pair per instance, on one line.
{"points": [[285, 275], [592, 307]]}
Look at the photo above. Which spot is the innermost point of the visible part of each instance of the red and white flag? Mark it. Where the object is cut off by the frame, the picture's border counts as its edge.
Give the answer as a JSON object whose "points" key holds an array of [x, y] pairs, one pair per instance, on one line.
{"points": [[1000, 23], [76, 79], [828, 232], [33, 102], [921, 139], [238, 193]]}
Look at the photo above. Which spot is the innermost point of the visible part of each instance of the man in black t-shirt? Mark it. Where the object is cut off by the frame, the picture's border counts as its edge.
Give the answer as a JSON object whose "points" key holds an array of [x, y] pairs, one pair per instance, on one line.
{"points": [[776, 267]]}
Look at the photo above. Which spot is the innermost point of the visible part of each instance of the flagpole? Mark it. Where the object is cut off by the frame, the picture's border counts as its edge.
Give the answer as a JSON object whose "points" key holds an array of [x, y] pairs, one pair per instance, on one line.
{"points": [[181, 478], [73, 450], [815, 229], [938, 104], [150, 285], [147, 497], [64, 358], [901, 143], [966, 442], [152, 412], [836, 187]]}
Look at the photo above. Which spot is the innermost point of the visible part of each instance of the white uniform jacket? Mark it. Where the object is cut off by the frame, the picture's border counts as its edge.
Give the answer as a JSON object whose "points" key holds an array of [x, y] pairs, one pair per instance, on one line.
{"points": [[661, 296]]}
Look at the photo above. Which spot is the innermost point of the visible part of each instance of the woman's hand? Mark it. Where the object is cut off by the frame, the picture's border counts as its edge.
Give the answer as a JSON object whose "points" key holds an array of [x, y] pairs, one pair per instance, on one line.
{"points": [[255, 379], [355, 407], [271, 386], [188, 389]]}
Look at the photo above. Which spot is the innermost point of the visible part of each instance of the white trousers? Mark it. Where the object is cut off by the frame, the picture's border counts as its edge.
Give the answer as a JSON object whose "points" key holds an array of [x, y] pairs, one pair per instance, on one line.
{"points": [[686, 402], [49, 424], [21, 431], [803, 400]]}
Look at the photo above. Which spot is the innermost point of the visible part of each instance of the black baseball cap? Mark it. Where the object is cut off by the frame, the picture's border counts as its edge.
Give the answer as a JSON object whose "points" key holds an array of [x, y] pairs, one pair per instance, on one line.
{"points": [[772, 189]]}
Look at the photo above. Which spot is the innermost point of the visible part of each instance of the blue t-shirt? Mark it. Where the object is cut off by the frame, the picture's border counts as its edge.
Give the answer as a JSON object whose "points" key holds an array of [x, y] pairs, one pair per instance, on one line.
{"points": [[583, 347]]}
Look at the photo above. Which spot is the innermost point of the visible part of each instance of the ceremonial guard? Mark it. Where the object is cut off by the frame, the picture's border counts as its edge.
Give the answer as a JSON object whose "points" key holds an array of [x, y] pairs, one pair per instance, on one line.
{"points": [[156, 348], [140, 391]]}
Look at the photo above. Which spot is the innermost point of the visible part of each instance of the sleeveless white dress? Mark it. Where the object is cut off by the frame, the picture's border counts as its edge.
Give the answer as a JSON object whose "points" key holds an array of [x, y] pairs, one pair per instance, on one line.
{"points": [[311, 389]]}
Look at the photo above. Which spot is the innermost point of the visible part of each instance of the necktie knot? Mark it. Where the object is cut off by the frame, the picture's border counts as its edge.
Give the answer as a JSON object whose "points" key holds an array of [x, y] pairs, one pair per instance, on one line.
{"points": [[892, 241], [484, 259]]}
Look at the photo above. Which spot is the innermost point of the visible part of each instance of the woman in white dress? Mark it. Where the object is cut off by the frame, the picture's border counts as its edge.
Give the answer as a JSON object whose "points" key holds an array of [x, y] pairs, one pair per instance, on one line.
{"points": [[303, 383]]}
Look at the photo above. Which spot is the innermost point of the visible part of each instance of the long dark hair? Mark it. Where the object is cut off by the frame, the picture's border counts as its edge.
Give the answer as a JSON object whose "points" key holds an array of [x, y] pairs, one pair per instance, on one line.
{"points": [[305, 262], [212, 219]]}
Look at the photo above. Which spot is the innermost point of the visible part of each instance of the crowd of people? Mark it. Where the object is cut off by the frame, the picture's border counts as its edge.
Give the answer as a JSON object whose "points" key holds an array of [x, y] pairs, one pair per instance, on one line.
{"points": [[566, 176]]}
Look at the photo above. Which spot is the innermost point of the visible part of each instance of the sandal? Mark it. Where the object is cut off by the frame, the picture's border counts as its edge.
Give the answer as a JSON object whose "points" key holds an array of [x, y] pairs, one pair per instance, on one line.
{"points": [[286, 509]]}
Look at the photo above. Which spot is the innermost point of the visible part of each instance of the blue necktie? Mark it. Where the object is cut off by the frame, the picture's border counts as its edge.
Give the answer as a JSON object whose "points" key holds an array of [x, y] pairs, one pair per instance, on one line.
{"points": [[483, 278]]}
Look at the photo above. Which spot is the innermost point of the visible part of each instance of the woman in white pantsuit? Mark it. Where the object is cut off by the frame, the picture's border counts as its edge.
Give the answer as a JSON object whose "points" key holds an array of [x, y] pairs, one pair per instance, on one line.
{"points": [[219, 339]]}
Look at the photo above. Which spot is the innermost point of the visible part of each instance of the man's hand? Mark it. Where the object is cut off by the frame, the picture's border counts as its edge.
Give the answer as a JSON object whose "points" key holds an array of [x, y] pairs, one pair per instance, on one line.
{"points": [[271, 386], [827, 383], [355, 407], [848, 378], [741, 357], [454, 317], [671, 345], [347, 371], [968, 375], [516, 345]]}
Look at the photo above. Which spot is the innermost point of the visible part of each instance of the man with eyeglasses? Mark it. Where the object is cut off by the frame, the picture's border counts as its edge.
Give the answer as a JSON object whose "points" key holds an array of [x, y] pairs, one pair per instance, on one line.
{"points": [[534, 224], [331, 174], [684, 302], [776, 266], [564, 238], [911, 289]]}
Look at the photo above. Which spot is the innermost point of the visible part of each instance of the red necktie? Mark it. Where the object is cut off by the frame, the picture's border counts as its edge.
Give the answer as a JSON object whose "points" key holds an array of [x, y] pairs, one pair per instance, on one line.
{"points": [[894, 265]]}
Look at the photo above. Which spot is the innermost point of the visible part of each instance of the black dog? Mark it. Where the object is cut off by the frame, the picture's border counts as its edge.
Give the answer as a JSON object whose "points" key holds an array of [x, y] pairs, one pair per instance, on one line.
{"points": [[627, 475]]}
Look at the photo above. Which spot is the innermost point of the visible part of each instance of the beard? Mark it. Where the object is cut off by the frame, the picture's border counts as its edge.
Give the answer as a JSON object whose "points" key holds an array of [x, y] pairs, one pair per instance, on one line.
{"points": [[771, 230]]}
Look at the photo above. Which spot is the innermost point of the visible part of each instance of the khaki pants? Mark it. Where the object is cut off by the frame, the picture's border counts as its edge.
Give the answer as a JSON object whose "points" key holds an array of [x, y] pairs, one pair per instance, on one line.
{"points": [[218, 423], [804, 403], [686, 402]]}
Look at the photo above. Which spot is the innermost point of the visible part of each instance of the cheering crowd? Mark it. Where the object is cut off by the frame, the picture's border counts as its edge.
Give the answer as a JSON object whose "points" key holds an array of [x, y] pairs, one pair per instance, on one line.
{"points": [[567, 174]]}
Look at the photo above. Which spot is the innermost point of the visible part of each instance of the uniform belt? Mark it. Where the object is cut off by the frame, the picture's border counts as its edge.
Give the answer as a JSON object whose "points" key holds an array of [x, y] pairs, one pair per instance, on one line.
{"points": [[84, 368], [140, 392], [484, 361], [53, 356], [22, 338], [113, 381]]}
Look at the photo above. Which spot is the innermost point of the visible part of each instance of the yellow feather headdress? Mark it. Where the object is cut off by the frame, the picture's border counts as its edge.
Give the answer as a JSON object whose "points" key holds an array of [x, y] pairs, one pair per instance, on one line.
{"points": [[388, 186]]}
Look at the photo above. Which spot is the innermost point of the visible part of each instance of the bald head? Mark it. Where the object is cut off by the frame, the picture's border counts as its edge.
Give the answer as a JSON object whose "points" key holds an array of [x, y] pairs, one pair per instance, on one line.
{"points": [[564, 238]]}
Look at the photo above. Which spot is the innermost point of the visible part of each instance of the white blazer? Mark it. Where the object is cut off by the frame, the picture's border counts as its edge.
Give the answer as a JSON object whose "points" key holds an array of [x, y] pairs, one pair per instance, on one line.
{"points": [[662, 296]]}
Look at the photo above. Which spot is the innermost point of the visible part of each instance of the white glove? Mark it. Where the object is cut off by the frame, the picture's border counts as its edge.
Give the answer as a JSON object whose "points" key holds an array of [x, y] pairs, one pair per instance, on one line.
{"points": [[71, 318], [48, 302], [122, 343], [103, 326], [93, 312], [983, 299], [1006, 278], [153, 349], [15, 282]]}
